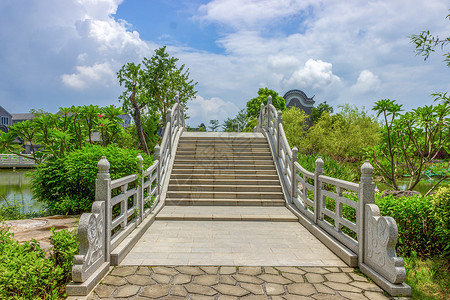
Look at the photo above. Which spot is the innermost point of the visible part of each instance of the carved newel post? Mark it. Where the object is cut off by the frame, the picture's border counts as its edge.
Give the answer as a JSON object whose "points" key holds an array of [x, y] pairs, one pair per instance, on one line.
{"points": [[318, 199], [366, 196], [94, 229], [377, 235], [140, 188]]}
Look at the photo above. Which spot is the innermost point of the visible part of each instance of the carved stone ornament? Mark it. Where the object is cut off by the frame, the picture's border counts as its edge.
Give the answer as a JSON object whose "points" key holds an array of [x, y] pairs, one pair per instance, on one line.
{"points": [[381, 238], [92, 243]]}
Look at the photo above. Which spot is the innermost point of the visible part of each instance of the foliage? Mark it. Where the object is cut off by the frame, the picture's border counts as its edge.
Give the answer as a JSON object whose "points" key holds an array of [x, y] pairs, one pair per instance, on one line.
{"points": [[317, 112], [251, 124], [440, 212], [60, 133], [410, 140], [26, 273], [67, 185], [154, 87], [331, 167], [65, 246], [345, 134], [238, 123], [254, 105], [214, 125], [425, 44], [415, 226], [429, 278], [295, 127]]}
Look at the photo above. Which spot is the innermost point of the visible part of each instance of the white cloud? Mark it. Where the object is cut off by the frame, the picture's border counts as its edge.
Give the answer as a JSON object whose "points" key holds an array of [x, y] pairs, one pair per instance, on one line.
{"points": [[202, 110], [88, 76], [249, 13], [316, 74], [367, 82]]}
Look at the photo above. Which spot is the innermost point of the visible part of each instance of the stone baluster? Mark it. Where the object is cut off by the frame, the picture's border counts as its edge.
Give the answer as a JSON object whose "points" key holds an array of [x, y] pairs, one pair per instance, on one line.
{"points": [[366, 196], [294, 182], [269, 114], [318, 199], [279, 141], [177, 115], [140, 188], [169, 133], [262, 116], [157, 156]]}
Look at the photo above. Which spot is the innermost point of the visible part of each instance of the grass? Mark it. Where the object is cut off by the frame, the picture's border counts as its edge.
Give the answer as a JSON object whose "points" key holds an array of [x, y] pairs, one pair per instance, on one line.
{"points": [[429, 278]]}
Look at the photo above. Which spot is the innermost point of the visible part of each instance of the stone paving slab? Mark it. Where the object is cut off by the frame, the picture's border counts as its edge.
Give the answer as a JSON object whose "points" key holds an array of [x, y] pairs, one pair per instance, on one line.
{"points": [[226, 213], [230, 243], [200, 282]]}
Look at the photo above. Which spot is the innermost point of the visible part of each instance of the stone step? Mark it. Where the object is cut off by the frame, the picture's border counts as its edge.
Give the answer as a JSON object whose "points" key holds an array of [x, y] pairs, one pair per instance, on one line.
{"points": [[225, 181], [224, 202], [226, 213], [223, 188], [212, 153], [224, 171], [223, 141], [224, 195], [223, 162], [226, 176], [235, 166], [227, 156]]}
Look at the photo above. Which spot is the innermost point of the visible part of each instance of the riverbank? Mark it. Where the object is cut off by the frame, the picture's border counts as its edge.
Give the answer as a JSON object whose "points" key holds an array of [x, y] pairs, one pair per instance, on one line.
{"points": [[39, 228]]}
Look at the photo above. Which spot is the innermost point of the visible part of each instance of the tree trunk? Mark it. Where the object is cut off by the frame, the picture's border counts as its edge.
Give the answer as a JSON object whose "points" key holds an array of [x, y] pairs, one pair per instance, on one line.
{"points": [[137, 121]]}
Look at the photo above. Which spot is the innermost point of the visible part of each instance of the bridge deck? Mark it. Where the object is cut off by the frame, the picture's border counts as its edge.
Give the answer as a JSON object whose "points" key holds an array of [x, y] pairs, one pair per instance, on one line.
{"points": [[230, 243]]}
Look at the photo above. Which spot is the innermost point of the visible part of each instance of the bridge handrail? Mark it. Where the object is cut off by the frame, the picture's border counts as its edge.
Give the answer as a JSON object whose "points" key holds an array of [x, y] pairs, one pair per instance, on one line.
{"points": [[371, 237], [15, 159], [121, 206]]}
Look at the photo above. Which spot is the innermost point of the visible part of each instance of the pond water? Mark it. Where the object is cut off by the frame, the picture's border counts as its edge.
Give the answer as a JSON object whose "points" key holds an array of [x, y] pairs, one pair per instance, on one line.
{"points": [[422, 187], [15, 189]]}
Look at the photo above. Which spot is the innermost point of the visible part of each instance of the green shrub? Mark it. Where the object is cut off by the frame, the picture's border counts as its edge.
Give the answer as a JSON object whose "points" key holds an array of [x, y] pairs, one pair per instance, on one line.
{"points": [[26, 273], [65, 246], [415, 224], [440, 212], [331, 167], [344, 134], [67, 185]]}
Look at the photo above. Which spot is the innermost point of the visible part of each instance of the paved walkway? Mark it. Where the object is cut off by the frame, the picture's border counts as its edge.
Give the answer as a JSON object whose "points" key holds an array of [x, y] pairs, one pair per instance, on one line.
{"points": [[193, 282], [225, 243]]}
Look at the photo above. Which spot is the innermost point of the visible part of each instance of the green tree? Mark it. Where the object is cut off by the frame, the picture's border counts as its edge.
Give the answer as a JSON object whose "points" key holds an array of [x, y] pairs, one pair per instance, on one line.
{"points": [[426, 43], [154, 87], [254, 105], [344, 135], [66, 131], [295, 125], [238, 123], [214, 125], [317, 112], [410, 141]]}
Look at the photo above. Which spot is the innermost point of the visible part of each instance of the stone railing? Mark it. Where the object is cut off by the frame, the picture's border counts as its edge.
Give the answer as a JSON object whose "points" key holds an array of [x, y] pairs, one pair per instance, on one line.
{"points": [[123, 210], [14, 160], [342, 214]]}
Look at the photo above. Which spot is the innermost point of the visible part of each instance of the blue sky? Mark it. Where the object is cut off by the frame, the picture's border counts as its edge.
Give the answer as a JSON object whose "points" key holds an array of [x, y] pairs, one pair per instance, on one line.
{"points": [[57, 53]]}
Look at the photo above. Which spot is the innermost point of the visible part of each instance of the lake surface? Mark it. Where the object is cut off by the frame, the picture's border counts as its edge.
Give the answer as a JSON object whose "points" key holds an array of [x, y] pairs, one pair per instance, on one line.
{"points": [[15, 188], [422, 187]]}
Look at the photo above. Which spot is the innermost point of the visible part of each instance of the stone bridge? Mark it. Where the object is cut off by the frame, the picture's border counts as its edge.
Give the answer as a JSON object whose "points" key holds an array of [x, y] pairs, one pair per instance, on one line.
{"points": [[234, 215]]}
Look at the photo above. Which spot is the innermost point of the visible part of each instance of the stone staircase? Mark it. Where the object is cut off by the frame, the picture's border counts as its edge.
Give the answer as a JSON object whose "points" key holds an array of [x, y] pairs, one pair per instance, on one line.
{"points": [[224, 176]]}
